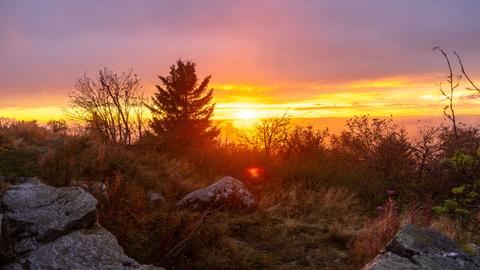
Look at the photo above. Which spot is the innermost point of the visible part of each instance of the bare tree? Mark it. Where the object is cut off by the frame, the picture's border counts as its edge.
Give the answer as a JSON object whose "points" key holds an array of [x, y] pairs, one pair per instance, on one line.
{"points": [[112, 105], [427, 152], [453, 82], [268, 134]]}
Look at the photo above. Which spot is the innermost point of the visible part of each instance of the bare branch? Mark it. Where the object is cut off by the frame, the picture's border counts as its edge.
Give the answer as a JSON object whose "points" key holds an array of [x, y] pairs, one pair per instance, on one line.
{"points": [[465, 73]]}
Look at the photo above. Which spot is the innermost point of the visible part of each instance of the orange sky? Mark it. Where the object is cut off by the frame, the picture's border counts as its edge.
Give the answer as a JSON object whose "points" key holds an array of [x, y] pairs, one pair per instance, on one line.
{"points": [[315, 59], [397, 96]]}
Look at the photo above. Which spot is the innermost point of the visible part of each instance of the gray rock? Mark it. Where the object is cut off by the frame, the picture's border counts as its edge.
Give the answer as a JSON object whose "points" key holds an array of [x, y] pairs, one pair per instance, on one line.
{"points": [[390, 260], [40, 213], [155, 198], [420, 248], [54, 228], [228, 191], [21, 179], [94, 187], [83, 249]]}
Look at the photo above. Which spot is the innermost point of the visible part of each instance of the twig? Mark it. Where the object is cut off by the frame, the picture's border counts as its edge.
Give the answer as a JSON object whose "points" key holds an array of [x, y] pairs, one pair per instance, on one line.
{"points": [[465, 73]]}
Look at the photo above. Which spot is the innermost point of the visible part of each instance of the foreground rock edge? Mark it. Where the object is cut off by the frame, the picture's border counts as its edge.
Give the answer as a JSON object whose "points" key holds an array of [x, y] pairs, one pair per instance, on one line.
{"points": [[423, 248], [54, 228]]}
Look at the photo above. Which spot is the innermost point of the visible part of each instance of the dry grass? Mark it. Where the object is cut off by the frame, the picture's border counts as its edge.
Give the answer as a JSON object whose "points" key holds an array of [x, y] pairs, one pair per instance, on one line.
{"points": [[446, 226], [376, 233], [298, 229]]}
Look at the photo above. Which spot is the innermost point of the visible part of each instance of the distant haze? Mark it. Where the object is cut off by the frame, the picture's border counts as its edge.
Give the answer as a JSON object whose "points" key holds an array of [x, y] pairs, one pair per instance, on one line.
{"points": [[337, 125]]}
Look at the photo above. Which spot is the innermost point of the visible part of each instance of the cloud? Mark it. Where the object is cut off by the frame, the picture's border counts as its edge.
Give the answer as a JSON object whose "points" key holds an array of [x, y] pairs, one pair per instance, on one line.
{"points": [[344, 55]]}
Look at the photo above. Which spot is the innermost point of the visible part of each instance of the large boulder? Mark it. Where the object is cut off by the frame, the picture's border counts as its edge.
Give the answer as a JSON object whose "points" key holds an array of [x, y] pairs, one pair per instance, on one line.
{"points": [[228, 192], [422, 248], [83, 249], [39, 213], [55, 228]]}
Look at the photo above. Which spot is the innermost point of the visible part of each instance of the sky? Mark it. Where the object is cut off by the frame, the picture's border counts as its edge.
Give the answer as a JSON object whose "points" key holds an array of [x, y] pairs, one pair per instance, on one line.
{"points": [[313, 58]]}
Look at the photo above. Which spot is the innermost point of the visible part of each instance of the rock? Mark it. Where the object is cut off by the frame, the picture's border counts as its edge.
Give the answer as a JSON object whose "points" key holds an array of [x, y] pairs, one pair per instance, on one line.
{"points": [[55, 228], [155, 198], [83, 249], [40, 212], [420, 248], [21, 179], [93, 187], [228, 191], [389, 261]]}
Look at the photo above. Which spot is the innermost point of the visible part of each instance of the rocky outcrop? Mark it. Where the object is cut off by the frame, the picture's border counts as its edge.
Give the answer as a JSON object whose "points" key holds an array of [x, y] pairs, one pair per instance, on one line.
{"points": [[228, 192], [39, 213], [421, 248], [55, 228], [82, 249]]}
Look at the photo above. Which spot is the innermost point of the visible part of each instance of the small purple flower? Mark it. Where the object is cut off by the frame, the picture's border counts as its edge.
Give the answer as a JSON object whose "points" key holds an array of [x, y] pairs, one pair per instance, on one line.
{"points": [[380, 209], [391, 192]]}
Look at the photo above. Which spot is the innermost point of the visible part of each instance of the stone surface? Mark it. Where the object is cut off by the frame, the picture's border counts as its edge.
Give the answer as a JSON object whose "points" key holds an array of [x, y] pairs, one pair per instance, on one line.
{"points": [[21, 179], [94, 187], [419, 248], [40, 212], [54, 228], [228, 192], [155, 198], [83, 249]]}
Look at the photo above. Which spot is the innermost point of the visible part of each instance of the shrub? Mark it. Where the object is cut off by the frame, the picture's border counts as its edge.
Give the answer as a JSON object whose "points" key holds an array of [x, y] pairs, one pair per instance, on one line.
{"points": [[375, 154]]}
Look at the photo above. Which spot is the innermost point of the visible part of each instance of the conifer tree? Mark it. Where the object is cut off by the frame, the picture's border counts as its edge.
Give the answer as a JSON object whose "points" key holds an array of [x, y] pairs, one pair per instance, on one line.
{"points": [[182, 107]]}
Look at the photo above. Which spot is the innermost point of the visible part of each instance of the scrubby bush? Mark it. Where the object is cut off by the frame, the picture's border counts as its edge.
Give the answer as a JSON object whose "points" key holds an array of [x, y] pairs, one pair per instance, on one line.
{"points": [[317, 193]]}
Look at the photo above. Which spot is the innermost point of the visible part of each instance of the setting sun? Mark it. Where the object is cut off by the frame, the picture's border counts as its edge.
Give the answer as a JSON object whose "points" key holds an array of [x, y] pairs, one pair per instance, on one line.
{"points": [[247, 114], [239, 134]]}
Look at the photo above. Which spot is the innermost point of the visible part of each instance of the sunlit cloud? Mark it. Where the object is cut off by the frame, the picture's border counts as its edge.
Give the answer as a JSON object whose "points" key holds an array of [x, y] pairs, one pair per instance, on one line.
{"points": [[310, 58], [399, 96], [42, 114]]}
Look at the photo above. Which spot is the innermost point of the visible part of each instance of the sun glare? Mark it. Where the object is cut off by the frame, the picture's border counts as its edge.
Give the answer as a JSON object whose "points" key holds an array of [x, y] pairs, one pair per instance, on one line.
{"points": [[247, 114]]}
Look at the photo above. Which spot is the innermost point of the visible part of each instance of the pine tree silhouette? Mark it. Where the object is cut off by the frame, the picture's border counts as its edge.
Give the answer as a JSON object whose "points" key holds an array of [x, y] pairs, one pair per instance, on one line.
{"points": [[182, 108]]}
